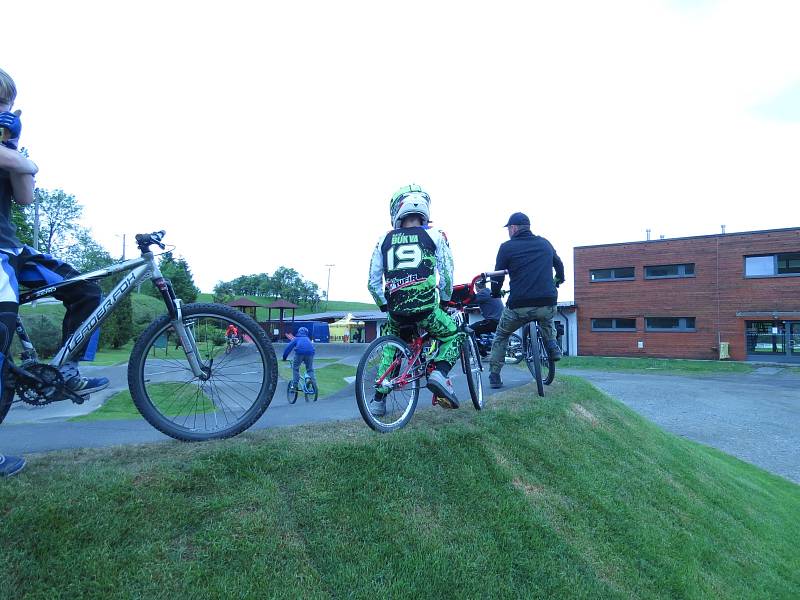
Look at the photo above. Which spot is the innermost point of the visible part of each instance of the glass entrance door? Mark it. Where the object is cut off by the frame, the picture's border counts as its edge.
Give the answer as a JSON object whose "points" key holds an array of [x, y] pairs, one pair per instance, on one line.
{"points": [[773, 340]]}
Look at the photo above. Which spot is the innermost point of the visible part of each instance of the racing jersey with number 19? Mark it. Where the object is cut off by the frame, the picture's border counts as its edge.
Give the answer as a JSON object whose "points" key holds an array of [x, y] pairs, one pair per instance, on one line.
{"points": [[403, 270]]}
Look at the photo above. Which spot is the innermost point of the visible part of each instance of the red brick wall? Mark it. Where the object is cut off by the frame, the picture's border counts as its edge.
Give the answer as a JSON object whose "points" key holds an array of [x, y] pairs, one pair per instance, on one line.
{"points": [[713, 296]]}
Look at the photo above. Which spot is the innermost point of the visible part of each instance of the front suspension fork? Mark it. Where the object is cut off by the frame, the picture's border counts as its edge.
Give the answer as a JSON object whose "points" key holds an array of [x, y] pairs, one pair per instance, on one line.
{"points": [[188, 342]]}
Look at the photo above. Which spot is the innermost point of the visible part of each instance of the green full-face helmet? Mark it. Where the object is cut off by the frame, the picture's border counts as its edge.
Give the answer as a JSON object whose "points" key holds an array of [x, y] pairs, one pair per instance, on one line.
{"points": [[409, 200]]}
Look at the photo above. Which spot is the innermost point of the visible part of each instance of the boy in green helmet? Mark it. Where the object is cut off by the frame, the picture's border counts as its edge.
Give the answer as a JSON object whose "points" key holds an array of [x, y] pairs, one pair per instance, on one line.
{"points": [[402, 280]]}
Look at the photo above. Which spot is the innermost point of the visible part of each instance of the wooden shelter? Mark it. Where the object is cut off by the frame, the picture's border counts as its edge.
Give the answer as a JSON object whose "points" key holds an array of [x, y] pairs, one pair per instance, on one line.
{"points": [[280, 305], [277, 329], [246, 306]]}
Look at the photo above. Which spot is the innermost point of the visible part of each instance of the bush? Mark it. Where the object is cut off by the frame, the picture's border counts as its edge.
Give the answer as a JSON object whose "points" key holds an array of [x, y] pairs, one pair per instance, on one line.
{"points": [[145, 310], [45, 333]]}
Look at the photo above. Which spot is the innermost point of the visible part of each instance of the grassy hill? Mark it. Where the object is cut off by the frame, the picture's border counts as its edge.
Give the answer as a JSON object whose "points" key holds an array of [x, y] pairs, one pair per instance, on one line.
{"points": [[572, 496]]}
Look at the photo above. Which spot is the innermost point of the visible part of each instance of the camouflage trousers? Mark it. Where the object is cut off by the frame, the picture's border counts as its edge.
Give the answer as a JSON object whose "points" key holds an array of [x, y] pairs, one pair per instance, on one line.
{"points": [[514, 318], [437, 323]]}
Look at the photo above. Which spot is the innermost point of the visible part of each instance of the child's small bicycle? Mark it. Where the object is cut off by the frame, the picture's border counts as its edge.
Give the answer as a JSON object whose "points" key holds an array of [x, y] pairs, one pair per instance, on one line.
{"points": [[305, 385], [402, 365]]}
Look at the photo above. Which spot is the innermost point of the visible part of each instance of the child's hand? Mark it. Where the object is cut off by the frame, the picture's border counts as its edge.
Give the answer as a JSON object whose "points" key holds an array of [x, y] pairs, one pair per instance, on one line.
{"points": [[10, 128]]}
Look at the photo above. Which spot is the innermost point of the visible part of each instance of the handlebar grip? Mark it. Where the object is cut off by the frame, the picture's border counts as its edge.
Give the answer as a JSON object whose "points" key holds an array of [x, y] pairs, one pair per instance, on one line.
{"points": [[496, 273]]}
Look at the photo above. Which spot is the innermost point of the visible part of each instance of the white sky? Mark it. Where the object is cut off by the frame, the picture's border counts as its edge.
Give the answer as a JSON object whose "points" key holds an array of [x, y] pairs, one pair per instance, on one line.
{"points": [[261, 134]]}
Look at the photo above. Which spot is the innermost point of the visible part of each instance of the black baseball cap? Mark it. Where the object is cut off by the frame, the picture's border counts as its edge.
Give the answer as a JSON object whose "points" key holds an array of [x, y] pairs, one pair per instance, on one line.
{"points": [[518, 218]]}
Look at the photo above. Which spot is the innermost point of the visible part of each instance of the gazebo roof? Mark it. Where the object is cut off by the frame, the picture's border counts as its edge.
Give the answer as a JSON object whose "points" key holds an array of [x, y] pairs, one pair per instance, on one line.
{"points": [[243, 302], [282, 304]]}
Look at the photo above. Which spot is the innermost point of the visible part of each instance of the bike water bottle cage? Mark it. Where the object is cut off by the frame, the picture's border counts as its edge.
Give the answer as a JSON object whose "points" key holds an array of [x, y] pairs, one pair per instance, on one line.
{"points": [[145, 240]]}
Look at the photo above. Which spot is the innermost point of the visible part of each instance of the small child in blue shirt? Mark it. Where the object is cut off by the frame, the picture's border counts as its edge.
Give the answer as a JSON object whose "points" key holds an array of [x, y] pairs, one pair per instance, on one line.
{"points": [[303, 354]]}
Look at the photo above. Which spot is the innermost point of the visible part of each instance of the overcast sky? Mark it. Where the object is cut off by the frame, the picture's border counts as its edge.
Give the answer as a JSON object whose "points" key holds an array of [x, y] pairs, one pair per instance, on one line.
{"points": [[261, 134]]}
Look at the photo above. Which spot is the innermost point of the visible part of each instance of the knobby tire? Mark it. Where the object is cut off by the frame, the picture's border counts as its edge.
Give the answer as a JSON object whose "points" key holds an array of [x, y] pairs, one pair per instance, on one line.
{"points": [[240, 387]]}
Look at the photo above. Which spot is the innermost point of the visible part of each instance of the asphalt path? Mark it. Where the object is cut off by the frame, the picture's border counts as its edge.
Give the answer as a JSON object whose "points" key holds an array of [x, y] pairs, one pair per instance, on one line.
{"points": [[30, 429], [753, 416]]}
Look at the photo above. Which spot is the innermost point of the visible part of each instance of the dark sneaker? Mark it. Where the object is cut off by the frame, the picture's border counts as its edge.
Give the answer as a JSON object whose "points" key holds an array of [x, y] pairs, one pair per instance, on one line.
{"points": [[442, 388], [83, 386], [553, 350], [11, 465], [495, 381], [377, 407]]}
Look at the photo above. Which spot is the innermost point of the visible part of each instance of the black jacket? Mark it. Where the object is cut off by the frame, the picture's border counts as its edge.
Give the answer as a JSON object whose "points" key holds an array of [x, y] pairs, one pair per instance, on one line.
{"points": [[530, 260]]}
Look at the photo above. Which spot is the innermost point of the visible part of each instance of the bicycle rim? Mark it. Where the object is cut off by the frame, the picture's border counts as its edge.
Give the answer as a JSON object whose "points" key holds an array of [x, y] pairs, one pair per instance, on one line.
{"points": [[291, 393], [235, 392], [389, 356], [472, 369], [548, 366], [532, 358], [514, 351], [311, 391]]}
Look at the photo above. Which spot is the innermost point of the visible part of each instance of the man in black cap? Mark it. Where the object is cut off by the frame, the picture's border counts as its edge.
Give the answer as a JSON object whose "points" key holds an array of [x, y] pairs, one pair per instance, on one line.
{"points": [[530, 261]]}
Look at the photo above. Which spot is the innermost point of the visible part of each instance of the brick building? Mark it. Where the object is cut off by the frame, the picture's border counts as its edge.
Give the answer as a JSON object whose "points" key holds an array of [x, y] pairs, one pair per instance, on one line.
{"points": [[688, 297]]}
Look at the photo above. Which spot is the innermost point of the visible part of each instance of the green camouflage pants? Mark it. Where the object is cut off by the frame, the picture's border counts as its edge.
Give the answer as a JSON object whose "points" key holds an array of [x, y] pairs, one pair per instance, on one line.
{"points": [[438, 324], [514, 318]]}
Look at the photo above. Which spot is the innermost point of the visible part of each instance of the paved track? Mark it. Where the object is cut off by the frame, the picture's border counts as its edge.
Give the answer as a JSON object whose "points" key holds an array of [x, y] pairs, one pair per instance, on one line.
{"points": [[755, 417]]}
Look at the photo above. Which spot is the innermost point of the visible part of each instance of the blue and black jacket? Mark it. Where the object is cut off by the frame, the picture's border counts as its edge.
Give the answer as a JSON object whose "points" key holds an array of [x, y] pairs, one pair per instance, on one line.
{"points": [[530, 260], [301, 344]]}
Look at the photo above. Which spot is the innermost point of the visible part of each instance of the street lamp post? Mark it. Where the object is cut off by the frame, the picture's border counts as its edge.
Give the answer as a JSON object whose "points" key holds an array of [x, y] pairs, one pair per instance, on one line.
{"points": [[328, 290]]}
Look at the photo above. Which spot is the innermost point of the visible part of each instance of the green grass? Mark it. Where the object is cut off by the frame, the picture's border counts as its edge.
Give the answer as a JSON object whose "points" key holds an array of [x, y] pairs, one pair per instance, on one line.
{"points": [[574, 496], [661, 365], [330, 377], [110, 357], [120, 405]]}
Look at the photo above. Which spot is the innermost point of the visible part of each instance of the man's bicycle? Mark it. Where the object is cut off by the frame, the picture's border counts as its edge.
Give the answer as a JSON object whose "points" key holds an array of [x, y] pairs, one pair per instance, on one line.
{"points": [[539, 362], [179, 376], [306, 385], [401, 365]]}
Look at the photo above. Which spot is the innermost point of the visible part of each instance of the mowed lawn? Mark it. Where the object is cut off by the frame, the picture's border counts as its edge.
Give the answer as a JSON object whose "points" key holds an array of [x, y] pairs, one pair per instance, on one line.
{"points": [[571, 496]]}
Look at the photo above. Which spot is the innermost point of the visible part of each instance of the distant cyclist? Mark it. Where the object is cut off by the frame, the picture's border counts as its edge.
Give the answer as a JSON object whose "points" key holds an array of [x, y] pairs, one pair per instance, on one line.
{"points": [[530, 260], [304, 352], [231, 332], [402, 280]]}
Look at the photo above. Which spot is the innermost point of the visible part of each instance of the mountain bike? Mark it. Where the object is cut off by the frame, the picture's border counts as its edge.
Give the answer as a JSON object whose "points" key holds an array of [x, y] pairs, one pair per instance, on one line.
{"points": [[400, 363], [539, 362], [514, 350], [306, 385], [179, 376]]}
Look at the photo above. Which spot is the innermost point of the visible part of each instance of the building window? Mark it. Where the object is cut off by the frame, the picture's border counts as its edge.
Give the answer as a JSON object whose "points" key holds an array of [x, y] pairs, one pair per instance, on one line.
{"points": [[613, 324], [669, 323], [669, 271], [785, 264], [616, 274]]}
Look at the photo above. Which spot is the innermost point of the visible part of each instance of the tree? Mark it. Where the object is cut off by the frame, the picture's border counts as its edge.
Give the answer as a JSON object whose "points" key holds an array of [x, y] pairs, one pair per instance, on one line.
{"points": [[223, 292], [180, 275], [22, 221], [86, 254], [58, 216], [117, 329]]}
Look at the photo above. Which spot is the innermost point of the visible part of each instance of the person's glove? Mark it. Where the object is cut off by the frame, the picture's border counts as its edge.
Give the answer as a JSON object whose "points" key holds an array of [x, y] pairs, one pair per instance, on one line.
{"points": [[557, 281], [12, 127], [384, 308]]}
